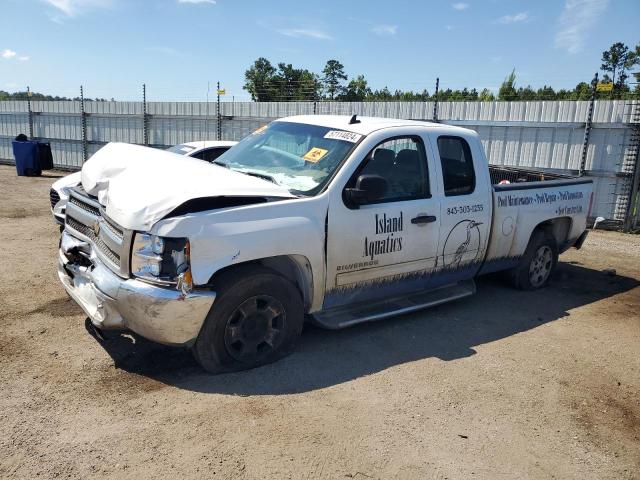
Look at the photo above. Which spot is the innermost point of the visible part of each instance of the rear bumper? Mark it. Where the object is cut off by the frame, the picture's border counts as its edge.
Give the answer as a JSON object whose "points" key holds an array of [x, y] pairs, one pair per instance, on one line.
{"points": [[161, 314]]}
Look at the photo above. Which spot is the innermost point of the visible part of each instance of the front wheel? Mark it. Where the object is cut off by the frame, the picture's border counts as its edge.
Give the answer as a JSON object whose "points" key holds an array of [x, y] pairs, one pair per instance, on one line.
{"points": [[538, 263], [256, 319]]}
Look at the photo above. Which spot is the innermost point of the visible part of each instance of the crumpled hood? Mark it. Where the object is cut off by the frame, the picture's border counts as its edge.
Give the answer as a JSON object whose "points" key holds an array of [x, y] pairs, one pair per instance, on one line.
{"points": [[140, 185]]}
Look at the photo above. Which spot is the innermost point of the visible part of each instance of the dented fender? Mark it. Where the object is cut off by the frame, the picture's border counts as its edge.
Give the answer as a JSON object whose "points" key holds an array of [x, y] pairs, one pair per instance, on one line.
{"points": [[222, 238]]}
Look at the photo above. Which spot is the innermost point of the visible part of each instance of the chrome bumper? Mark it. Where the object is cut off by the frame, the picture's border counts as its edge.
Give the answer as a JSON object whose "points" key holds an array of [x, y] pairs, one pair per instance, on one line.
{"points": [[161, 314]]}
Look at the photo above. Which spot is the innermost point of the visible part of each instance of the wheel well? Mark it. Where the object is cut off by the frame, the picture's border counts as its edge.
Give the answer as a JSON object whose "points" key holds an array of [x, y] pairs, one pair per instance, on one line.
{"points": [[558, 228], [295, 268]]}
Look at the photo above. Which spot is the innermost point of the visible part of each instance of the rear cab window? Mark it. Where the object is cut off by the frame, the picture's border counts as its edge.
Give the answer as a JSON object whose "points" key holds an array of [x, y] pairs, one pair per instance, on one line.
{"points": [[458, 173]]}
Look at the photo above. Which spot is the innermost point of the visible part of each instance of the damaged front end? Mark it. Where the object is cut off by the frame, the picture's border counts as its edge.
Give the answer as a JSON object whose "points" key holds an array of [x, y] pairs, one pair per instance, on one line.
{"points": [[128, 280]]}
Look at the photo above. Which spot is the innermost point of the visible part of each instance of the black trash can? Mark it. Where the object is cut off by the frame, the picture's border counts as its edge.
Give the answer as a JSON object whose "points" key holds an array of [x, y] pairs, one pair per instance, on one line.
{"points": [[32, 156], [45, 159]]}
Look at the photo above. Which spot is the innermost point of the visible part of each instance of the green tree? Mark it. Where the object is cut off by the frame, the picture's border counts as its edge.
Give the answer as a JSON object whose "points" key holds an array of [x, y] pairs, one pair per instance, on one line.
{"points": [[357, 90], [295, 84], [546, 93], [527, 93], [259, 80], [507, 90], [486, 95], [617, 60], [267, 83], [333, 78], [383, 94], [581, 92]]}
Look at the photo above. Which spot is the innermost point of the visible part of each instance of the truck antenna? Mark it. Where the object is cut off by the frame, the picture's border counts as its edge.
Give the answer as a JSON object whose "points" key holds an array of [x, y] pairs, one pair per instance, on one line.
{"points": [[354, 119]]}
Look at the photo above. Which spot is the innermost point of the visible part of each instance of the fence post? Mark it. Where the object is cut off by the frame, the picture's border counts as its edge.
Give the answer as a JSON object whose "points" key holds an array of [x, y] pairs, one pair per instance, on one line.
{"points": [[435, 104], [632, 215], [587, 126], [145, 117], [219, 117], [30, 113], [315, 97], [83, 120]]}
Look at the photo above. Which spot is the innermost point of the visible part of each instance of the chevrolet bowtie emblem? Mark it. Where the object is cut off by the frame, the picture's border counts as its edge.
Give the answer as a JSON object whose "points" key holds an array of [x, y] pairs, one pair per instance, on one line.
{"points": [[96, 227]]}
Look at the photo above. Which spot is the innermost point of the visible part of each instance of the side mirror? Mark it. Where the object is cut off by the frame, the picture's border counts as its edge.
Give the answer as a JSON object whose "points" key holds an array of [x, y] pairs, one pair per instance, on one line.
{"points": [[368, 189]]}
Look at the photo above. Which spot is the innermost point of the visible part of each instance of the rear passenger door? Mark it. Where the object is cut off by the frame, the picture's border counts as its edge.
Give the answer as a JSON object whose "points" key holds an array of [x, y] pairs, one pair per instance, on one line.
{"points": [[465, 209], [387, 247]]}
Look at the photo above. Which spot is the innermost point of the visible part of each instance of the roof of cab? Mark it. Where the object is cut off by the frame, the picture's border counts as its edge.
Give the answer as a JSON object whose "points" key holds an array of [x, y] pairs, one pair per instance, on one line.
{"points": [[366, 124]]}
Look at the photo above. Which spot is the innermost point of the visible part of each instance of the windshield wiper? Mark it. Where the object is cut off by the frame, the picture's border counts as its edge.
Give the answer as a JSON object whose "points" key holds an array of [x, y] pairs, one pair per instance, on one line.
{"points": [[263, 176]]}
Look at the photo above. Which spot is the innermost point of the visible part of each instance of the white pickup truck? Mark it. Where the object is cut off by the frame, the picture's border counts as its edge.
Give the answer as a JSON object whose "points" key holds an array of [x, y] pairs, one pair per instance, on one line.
{"points": [[332, 219]]}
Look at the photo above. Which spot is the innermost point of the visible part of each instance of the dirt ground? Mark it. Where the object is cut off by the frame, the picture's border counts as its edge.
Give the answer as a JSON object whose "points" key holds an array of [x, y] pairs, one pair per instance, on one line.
{"points": [[505, 384]]}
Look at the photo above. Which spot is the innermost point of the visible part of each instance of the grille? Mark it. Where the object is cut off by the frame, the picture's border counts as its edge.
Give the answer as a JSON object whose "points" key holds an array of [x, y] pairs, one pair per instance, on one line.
{"points": [[53, 197], [113, 227], [85, 206], [90, 234], [111, 242]]}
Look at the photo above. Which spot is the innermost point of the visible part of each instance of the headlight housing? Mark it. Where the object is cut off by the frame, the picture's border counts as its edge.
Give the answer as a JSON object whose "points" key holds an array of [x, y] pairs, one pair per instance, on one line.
{"points": [[161, 260], [66, 191]]}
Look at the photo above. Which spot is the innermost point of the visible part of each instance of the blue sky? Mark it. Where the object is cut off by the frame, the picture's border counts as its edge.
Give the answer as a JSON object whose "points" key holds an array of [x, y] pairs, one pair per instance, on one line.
{"points": [[177, 46]]}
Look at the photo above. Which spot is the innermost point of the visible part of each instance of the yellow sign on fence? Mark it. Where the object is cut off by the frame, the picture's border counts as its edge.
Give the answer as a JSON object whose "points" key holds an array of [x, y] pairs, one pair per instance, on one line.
{"points": [[604, 87]]}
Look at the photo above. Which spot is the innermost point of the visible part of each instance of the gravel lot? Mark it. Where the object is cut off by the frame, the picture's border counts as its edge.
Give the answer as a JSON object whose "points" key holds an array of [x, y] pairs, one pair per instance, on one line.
{"points": [[506, 384]]}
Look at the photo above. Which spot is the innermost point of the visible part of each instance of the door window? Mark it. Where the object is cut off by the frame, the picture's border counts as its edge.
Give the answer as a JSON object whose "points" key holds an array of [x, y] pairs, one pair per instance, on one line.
{"points": [[402, 162]]}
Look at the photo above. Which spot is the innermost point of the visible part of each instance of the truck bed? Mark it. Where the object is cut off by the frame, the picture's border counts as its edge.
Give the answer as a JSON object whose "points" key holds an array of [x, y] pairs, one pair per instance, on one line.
{"points": [[499, 173], [532, 198]]}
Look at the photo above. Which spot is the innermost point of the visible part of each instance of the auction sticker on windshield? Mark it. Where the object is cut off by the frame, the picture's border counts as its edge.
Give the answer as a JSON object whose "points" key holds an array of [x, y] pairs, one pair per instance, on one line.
{"points": [[342, 135], [315, 154]]}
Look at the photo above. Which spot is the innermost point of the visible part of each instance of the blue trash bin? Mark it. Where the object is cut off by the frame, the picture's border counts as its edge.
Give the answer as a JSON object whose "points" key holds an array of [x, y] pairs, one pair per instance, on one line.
{"points": [[26, 155]]}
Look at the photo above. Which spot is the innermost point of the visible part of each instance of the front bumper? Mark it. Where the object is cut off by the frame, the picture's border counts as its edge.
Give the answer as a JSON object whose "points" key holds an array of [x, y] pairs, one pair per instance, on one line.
{"points": [[161, 314], [58, 205], [59, 219]]}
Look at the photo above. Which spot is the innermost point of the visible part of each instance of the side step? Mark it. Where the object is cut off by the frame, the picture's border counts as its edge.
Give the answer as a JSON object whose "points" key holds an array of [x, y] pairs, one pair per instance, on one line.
{"points": [[342, 317]]}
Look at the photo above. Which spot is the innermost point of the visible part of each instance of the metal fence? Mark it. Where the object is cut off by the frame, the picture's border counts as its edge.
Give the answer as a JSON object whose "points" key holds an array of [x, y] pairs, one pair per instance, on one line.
{"points": [[542, 134]]}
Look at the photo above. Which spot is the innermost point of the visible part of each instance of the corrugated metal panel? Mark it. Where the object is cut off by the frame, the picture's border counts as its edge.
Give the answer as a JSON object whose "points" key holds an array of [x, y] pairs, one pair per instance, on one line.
{"points": [[541, 134]]}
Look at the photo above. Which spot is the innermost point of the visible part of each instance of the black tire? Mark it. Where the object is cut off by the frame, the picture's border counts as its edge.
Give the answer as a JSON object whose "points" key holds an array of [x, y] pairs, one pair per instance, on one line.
{"points": [[256, 318], [538, 262]]}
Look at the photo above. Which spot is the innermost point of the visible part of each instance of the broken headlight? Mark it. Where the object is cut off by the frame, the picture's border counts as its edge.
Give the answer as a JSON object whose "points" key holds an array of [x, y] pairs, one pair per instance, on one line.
{"points": [[161, 260]]}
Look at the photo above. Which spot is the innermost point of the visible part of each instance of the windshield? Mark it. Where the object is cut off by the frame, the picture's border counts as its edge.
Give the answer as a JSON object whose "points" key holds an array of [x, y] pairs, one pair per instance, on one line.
{"points": [[181, 149], [298, 156]]}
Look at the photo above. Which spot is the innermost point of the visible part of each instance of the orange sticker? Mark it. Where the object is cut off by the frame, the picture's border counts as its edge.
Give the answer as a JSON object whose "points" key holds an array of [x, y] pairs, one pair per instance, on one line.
{"points": [[315, 154]]}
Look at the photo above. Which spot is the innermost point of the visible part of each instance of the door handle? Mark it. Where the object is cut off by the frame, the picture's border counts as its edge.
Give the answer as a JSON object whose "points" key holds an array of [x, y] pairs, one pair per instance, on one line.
{"points": [[422, 219]]}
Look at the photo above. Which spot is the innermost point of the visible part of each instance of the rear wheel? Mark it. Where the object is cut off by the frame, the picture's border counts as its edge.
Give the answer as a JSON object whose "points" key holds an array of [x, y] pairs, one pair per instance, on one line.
{"points": [[256, 319], [538, 263]]}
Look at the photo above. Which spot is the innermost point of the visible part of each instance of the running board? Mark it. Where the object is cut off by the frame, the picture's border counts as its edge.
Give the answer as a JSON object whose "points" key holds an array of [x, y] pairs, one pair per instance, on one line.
{"points": [[342, 317]]}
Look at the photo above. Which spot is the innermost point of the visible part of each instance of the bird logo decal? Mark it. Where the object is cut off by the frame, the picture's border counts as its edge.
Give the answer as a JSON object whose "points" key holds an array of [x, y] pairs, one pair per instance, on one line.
{"points": [[464, 237]]}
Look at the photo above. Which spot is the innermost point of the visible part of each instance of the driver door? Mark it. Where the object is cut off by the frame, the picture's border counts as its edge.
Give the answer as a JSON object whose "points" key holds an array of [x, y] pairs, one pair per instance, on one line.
{"points": [[388, 246]]}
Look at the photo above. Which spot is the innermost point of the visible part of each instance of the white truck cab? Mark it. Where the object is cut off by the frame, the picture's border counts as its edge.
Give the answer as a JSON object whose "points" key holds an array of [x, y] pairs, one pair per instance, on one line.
{"points": [[334, 219]]}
